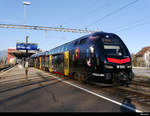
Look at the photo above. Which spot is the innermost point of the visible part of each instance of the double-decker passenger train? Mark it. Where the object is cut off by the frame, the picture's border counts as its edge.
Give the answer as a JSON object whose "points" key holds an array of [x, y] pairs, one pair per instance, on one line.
{"points": [[99, 57]]}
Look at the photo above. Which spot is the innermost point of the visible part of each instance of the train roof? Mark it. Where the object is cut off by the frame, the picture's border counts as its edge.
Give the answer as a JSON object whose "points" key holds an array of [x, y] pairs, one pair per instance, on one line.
{"points": [[85, 36]]}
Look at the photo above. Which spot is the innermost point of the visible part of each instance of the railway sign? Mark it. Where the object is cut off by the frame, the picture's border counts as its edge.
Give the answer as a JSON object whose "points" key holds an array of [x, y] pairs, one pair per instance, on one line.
{"points": [[28, 46]]}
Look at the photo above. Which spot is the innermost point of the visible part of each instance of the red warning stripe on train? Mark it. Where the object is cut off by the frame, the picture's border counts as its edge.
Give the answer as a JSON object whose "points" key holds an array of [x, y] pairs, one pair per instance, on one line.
{"points": [[119, 61], [61, 74]]}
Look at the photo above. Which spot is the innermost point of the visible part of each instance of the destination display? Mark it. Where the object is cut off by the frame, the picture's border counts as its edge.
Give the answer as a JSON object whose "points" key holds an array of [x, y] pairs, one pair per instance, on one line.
{"points": [[24, 46]]}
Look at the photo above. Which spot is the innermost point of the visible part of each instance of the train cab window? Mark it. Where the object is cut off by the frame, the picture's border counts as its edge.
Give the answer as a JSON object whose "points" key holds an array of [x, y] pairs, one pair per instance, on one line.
{"points": [[114, 46], [115, 50]]}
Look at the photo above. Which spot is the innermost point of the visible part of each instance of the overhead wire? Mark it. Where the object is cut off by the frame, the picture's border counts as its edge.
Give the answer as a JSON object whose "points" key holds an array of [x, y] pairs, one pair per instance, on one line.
{"points": [[87, 8], [100, 9], [81, 12], [134, 25], [113, 12], [91, 12], [95, 8]]}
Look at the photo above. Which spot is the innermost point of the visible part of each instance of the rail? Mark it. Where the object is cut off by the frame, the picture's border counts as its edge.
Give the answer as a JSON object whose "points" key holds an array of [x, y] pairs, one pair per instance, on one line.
{"points": [[5, 67]]}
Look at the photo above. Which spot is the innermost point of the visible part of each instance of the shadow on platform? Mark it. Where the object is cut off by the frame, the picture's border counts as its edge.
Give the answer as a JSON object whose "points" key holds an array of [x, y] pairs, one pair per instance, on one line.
{"points": [[28, 91], [29, 83]]}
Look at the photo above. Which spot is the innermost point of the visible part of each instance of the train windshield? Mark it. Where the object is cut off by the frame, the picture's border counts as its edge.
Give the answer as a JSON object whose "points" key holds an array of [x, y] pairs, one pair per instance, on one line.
{"points": [[111, 44], [114, 47], [112, 50]]}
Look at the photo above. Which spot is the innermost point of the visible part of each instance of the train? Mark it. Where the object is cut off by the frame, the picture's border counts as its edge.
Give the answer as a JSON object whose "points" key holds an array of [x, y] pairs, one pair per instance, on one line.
{"points": [[98, 57]]}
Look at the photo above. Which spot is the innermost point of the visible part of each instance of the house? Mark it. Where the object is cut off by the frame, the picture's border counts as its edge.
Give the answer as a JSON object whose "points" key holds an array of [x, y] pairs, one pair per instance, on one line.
{"points": [[143, 57]]}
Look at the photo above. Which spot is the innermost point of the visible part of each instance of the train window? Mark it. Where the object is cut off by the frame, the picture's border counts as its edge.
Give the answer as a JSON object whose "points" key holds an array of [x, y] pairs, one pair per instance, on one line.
{"points": [[56, 50], [59, 50], [65, 48], [52, 52], [76, 42], [93, 37], [62, 49], [110, 40], [87, 53], [82, 41], [106, 40]]}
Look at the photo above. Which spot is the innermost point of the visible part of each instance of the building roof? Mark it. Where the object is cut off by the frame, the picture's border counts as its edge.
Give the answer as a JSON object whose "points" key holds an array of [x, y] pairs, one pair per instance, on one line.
{"points": [[141, 52]]}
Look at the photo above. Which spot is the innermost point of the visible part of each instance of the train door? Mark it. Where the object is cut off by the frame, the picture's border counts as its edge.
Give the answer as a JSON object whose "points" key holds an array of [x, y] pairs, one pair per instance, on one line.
{"points": [[50, 63], [66, 63], [40, 62], [47, 63]]}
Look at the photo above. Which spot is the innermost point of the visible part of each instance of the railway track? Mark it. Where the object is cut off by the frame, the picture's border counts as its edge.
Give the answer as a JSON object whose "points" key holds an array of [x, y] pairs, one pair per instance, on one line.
{"points": [[5, 67], [140, 83], [139, 87], [135, 96], [138, 93], [124, 94]]}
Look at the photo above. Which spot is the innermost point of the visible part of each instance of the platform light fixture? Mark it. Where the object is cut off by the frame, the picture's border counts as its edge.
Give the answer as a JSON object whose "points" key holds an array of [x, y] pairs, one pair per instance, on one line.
{"points": [[25, 3]]}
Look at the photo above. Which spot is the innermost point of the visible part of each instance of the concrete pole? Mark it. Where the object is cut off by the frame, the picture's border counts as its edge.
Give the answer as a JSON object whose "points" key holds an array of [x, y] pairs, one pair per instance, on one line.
{"points": [[25, 3], [26, 62], [24, 14], [26, 48]]}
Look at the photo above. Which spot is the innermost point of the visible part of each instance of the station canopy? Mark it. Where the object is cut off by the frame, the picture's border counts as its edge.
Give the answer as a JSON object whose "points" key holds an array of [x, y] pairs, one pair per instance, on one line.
{"points": [[20, 53]]}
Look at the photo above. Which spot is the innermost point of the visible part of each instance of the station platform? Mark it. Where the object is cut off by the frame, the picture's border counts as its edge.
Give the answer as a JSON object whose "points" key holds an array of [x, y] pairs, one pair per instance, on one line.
{"points": [[17, 73], [141, 74], [43, 92]]}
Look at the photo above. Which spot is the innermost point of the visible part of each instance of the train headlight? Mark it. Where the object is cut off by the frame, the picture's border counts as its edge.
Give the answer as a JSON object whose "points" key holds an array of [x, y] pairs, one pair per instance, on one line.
{"points": [[109, 67], [129, 66]]}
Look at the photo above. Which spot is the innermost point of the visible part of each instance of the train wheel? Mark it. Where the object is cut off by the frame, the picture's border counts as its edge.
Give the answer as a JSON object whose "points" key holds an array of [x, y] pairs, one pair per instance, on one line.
{"points": [[78, 76], [75, 76], [87, 76], [82, 79]]}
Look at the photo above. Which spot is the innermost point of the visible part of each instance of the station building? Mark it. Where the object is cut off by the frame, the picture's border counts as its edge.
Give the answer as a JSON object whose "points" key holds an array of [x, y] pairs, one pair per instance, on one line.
{"points": [[11, 57]]}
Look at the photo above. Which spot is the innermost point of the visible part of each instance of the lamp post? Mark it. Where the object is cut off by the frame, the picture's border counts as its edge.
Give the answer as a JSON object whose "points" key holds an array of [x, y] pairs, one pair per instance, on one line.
{"points": [[26, 61], [25, 3]]}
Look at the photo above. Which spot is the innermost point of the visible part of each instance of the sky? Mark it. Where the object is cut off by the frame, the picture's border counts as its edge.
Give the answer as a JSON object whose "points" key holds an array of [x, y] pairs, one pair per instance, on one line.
{"points": [[129, 19]]}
